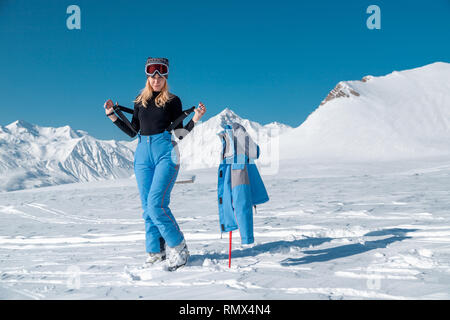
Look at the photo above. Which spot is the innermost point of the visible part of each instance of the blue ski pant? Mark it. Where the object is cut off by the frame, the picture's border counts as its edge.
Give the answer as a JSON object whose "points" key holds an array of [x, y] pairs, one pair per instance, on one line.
{"points": [[156, 166]]}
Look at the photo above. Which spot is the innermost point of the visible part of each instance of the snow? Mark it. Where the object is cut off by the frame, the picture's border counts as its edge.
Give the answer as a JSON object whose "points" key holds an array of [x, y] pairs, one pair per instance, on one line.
{"points": [[33, 156], [402, 115], [344, 231], [358, 206]]}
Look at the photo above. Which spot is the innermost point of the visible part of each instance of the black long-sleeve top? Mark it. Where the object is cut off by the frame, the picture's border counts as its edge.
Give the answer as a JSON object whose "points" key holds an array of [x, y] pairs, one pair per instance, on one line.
{"points": [[153, 120]]}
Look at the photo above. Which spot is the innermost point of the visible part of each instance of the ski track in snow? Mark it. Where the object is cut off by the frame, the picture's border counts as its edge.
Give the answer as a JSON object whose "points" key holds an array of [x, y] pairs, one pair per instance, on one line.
{"points": [[366, 235]]}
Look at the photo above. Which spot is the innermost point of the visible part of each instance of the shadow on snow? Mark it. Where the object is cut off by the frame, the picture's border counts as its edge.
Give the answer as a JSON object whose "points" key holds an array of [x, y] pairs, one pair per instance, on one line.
{"points": [[350, 249], [270, 247], [322, 255]]}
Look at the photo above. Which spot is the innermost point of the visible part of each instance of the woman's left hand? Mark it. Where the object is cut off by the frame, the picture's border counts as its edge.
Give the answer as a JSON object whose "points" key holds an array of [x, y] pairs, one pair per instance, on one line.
{"points": [[199, 112]]}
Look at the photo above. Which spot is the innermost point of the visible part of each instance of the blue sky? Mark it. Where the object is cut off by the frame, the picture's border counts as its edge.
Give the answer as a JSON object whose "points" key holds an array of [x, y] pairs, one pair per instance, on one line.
{"points": [[266, 60]]}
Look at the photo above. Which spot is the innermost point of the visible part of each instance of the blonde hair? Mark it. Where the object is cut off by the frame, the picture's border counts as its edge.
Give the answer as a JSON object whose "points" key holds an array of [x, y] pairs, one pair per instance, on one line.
{"points": [[147, 93]]}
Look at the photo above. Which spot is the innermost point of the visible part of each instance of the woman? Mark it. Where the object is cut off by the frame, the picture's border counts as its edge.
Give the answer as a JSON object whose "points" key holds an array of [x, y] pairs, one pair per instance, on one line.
{"points": [[156, 161]]}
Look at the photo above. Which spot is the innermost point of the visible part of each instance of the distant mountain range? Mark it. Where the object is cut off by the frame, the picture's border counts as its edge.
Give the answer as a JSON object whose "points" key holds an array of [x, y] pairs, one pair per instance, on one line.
{"points": [[403, 115], [34, 156]]}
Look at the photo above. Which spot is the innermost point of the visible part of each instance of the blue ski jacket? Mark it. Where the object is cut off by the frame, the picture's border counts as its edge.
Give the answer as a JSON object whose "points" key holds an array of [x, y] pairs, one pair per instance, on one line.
{"points": [[240, 186]]}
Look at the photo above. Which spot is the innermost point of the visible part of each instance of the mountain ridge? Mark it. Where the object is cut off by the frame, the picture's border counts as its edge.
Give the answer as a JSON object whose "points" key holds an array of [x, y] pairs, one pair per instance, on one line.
{"points": [[401, 115], [34, 156]]}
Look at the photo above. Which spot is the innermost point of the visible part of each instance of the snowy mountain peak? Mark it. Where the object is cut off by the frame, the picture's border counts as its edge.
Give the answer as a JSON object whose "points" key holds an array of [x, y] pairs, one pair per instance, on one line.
{"points": [[20, 124], [69, 132], [224, 117], [227, 113], [279, 125], [342, 89], [24, 128], [435, 66], [403, 114], [347, 89], [367, 78]]}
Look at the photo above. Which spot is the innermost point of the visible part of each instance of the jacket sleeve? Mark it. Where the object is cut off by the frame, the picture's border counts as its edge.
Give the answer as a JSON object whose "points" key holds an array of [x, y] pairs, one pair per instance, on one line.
{"points": [[242, 201], [134, 123]]}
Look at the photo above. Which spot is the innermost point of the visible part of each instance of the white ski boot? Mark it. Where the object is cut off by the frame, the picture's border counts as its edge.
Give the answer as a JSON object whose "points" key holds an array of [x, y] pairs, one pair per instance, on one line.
{"points": [[154, 258], [178, 256]]}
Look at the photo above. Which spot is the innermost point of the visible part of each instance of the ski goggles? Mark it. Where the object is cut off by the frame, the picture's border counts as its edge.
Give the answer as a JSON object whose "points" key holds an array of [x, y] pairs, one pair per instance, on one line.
{"points": [[152, 68]]}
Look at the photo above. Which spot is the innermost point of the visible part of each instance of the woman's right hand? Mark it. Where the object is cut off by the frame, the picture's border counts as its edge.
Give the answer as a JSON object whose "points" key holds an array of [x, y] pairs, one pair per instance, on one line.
{"points": [[109, 108]]}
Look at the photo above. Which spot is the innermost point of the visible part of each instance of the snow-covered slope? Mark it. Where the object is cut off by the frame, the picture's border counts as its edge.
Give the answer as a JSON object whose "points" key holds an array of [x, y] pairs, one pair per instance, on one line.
{"points": [[401, 115], [340, 232], [33, 156]]}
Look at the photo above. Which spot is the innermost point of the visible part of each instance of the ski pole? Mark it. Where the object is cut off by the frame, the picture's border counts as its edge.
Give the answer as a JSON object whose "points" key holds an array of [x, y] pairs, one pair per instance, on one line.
{"points": [[229, 251]]}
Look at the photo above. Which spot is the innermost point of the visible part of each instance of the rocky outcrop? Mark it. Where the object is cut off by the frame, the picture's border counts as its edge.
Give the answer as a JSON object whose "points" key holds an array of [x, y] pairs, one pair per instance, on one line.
{"points": [[342, 89]]}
